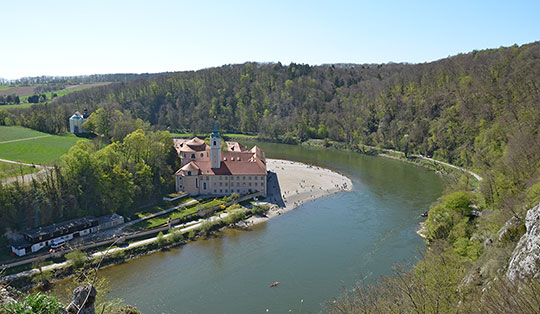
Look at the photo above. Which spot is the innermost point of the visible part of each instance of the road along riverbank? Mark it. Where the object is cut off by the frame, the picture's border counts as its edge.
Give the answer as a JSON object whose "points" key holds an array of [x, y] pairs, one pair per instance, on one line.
{"points": [[290, 184]]}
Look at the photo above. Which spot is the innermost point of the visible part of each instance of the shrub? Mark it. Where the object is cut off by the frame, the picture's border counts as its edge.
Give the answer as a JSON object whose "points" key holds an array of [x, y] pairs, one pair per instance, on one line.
{"points": [[206, 227], [160, 240], [260, 210], [233, 217], [176, 236], [514, 233], [235, 196], [450, 211], [42, 278], [33, 303], [125, 309], [191, 235], [77, 258], [118, 254]]}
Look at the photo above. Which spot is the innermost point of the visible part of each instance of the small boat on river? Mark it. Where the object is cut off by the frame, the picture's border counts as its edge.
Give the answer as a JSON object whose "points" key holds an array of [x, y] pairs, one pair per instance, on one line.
{"points": [[274, 284]]}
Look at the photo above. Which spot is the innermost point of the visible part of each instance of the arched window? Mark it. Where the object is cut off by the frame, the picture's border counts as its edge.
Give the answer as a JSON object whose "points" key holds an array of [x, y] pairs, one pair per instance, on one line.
{"points": [[189, 173], [202, 155], [215, 143], [192, 155]]}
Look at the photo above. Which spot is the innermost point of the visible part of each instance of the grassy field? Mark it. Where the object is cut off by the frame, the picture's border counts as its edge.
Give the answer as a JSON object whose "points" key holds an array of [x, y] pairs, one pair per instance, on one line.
{"points": [[22, 144], [8, 170], [238, 135], [27, 91], [179, 213], [20, 106], [157, 208], [231, 135]]}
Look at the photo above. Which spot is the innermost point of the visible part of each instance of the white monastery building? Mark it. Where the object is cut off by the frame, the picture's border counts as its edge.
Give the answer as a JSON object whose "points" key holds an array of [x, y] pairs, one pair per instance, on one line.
{"points": [[76, 121], [207, 169]]}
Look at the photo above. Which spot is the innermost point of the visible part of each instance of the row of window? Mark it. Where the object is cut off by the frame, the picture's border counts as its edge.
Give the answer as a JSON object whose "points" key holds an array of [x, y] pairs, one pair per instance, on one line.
{"points": [[226, 178], [193, 155], [238, 184], [226, 191]]}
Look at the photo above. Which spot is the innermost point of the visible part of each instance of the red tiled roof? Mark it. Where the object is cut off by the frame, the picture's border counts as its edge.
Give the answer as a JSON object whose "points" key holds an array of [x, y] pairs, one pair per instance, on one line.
{"points": [[195, 142], [235, 147], [237, 161], [193, 145], [192, 166], [233, 163], [259, 153]]}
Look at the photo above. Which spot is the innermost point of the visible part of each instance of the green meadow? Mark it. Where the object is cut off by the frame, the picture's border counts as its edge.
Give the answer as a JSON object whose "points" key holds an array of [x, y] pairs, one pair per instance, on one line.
{"points": [[8, 170], [229, 135], [59, 93], [22, 105], [25, 145]]}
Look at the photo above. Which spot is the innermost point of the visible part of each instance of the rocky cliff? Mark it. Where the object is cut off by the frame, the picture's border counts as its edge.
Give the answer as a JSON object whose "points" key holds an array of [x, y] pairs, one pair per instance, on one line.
{"points": [[525, 261]]}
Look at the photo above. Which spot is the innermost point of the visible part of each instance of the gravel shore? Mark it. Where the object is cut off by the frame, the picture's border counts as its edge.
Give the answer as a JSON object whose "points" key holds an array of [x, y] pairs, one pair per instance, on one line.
{"points": [[292, 184]]}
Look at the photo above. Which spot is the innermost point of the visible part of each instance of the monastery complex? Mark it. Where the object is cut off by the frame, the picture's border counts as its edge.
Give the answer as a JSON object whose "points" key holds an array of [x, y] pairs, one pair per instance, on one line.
{"points": [[209, 169]]}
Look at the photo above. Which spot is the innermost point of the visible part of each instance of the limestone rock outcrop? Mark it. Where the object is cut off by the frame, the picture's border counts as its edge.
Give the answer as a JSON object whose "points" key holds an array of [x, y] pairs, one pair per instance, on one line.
{"points": [[81, 301], [525, 261]]}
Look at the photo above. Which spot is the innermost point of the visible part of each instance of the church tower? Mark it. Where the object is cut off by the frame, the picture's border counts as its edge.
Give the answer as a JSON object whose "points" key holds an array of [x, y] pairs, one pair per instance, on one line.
{"points": [[215, 148]]}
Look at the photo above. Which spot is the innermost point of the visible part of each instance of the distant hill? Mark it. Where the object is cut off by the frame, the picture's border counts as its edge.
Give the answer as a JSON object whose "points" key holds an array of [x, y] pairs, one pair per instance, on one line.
{"points": [[479, 110], [74, 80]]}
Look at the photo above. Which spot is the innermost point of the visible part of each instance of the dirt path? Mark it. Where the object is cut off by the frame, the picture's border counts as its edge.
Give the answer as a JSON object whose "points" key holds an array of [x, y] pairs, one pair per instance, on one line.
{"points": [[27, 177], [476, 176], [24, 139]]}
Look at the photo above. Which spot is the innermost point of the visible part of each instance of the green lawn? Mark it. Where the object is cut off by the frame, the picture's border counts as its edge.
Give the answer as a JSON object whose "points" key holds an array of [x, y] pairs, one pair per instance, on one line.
{"points": [[238, 135], [179, 213], [231, 135], [8, 170], [157, 208], [23, 105], [35, 147], [182, 135], [59, 93], [161, 220]]}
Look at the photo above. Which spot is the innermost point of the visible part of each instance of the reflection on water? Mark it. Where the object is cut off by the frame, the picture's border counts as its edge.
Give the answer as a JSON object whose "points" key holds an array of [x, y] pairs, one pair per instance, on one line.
{"points": [[314, 251]]}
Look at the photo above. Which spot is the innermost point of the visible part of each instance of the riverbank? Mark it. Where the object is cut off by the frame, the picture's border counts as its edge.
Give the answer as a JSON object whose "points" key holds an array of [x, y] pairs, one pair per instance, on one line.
{"points": [[438, 166], [292, 184]]}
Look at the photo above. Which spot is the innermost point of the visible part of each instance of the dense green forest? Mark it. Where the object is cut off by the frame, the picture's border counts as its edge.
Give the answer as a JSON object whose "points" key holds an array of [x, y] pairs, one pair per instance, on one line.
{"points": [[480, 110], [94, 179]]}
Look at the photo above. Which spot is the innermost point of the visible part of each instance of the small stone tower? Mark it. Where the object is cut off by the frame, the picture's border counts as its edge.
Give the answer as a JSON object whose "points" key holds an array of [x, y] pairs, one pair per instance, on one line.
{"points": [[215, 148]]}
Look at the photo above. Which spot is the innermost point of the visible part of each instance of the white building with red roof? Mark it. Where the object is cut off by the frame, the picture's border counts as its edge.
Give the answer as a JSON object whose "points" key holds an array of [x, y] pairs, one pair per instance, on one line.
{"points": [[206, 169]]}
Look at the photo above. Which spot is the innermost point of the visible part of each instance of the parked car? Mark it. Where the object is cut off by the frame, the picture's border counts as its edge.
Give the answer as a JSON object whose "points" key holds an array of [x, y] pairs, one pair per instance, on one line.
{"points": [[56, 243]]}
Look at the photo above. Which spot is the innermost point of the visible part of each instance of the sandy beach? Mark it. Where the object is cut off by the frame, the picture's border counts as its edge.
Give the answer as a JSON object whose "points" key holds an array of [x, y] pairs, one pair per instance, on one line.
{"points": [[292, 184]]}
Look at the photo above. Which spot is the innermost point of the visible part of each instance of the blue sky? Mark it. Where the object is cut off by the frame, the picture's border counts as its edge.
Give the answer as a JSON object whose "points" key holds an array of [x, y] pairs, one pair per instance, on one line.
{"points": [[85, 37]]}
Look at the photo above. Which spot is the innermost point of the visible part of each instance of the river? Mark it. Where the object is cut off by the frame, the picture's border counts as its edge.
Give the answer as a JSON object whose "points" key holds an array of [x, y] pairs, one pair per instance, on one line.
{"points": [[315, 251]]}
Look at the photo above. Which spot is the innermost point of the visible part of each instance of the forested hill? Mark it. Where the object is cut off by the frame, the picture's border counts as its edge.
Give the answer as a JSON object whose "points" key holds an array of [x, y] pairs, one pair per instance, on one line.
{"points": [[449, 108], [78, 79]]}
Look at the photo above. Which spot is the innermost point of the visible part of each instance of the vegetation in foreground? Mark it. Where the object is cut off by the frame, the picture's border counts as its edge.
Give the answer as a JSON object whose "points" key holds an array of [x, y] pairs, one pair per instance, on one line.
{"points": [[478, 110]]}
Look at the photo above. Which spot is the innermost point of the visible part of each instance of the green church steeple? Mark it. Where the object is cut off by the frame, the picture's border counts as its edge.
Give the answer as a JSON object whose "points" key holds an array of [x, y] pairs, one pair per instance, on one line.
{"points": [[215, 132]]}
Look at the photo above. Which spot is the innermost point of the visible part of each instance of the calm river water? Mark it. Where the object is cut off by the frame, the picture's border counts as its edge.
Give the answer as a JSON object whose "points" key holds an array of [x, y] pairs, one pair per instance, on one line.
{"points": [[315, 251]]}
